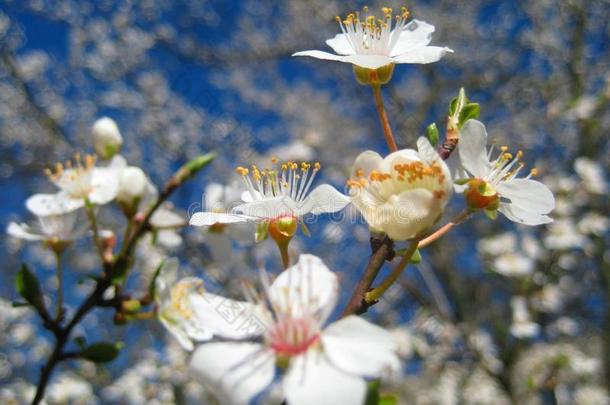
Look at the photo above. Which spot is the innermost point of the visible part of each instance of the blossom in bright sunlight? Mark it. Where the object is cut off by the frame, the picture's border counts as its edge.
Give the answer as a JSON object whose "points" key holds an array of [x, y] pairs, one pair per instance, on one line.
{"points": [[78, 181], [371, 42], [404, 193], [494, 185], [277, 195], [318, 365]]}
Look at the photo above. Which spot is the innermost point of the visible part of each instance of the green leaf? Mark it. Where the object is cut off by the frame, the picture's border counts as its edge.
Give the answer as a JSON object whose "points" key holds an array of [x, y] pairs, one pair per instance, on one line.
{"points": [[151, 285], [388, 399], [19, 304], [455, 108], [416, 257], [193, 166], [80, 341], [27, 286], [471, 110], [305, 229], [372, 395], [262, 231], [432, 134], [461, 182], [102, 352]]}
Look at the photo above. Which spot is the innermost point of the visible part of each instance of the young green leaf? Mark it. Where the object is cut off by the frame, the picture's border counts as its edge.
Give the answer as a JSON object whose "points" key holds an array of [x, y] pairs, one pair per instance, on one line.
{"points": [[101, 352], [27, 286], [432, 134]]}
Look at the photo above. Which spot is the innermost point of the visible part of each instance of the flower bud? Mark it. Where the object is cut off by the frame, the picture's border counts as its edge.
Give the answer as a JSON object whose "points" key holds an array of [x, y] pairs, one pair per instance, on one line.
{"points": [[107, 138], [132, 185], [377, 76]]}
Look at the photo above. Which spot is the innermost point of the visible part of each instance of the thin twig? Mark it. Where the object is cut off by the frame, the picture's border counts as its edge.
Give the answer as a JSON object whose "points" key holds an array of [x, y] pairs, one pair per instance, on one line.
{"points": [[383, 117]]}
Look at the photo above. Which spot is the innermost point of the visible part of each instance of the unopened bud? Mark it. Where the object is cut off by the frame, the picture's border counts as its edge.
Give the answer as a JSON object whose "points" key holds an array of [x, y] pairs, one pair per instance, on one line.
{"points": [[107, 138], [132, 185]]}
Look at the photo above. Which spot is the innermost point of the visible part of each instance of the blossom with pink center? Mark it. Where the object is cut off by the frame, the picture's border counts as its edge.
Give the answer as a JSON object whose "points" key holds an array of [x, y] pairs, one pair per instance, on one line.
{"points": [[317, 364]]}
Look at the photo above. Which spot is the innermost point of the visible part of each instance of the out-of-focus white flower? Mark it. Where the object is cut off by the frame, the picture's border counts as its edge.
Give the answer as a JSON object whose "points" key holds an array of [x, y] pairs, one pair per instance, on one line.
{"points": [[591, 395], [133, 183], [372, 43], [107, 138], [78, 181], [297, 150], [53, 229], [563, 234], [275, 194], [402, 194], [594, 224], [522, 326], [70, 389], [498, 244], [188, 312], [591, 174], [513, 265], [321, 366], [165, 223], [495, 186]]}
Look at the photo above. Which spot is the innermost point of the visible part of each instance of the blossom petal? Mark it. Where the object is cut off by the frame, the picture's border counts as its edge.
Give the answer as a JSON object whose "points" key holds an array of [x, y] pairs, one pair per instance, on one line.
{"points": [[426, 151], [268, 208], [528, 195], [415, 34], [411, 214], [312, 379], [235, 372], [105, 183], [521, 216], [23, 231], [308, 287], [226, 317], [368, 61], [166, 218], [423, 55], [357, 346], [366, 162], [211, 218], [472, 148], [340, 44], [323, 199], [321, 55], [53, 204]]}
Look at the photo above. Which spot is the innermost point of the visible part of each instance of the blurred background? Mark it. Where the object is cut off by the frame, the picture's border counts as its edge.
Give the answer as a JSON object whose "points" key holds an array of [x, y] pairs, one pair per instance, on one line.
{"points": [[496, 313]]}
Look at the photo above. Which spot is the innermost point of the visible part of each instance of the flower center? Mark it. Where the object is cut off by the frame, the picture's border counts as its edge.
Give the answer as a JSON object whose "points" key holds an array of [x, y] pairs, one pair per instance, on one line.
{"points": [[74, 177], [290, 179], [290, 337], [178, 294], [404, 176], [368, 34]]}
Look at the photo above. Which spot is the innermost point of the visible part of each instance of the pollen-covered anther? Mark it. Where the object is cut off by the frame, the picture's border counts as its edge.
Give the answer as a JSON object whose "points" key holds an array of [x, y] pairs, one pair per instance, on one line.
{"points": [[179, 297], [75, 167]]}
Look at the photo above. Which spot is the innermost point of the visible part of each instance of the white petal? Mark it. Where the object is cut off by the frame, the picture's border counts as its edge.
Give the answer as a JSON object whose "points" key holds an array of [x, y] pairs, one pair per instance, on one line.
{"points": [[366, 162], [179, 334], [323, 199], [23, 231], [312, 379], [211, 218], [169, 238], [426, 151], [415, 34], [269, 208], [368, 61], [472, 148], [357, 346], [52, 204], [423, 55], [529, 195], [516, 214], [235, 372], [340, 45], [308, 287], [214, 196], [321, 55], [228, 318], [105, 183], [166, 218]]}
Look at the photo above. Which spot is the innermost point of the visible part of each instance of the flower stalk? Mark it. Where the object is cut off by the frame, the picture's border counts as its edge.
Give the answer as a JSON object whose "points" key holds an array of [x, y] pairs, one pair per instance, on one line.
{"points": [[383, 117]]}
